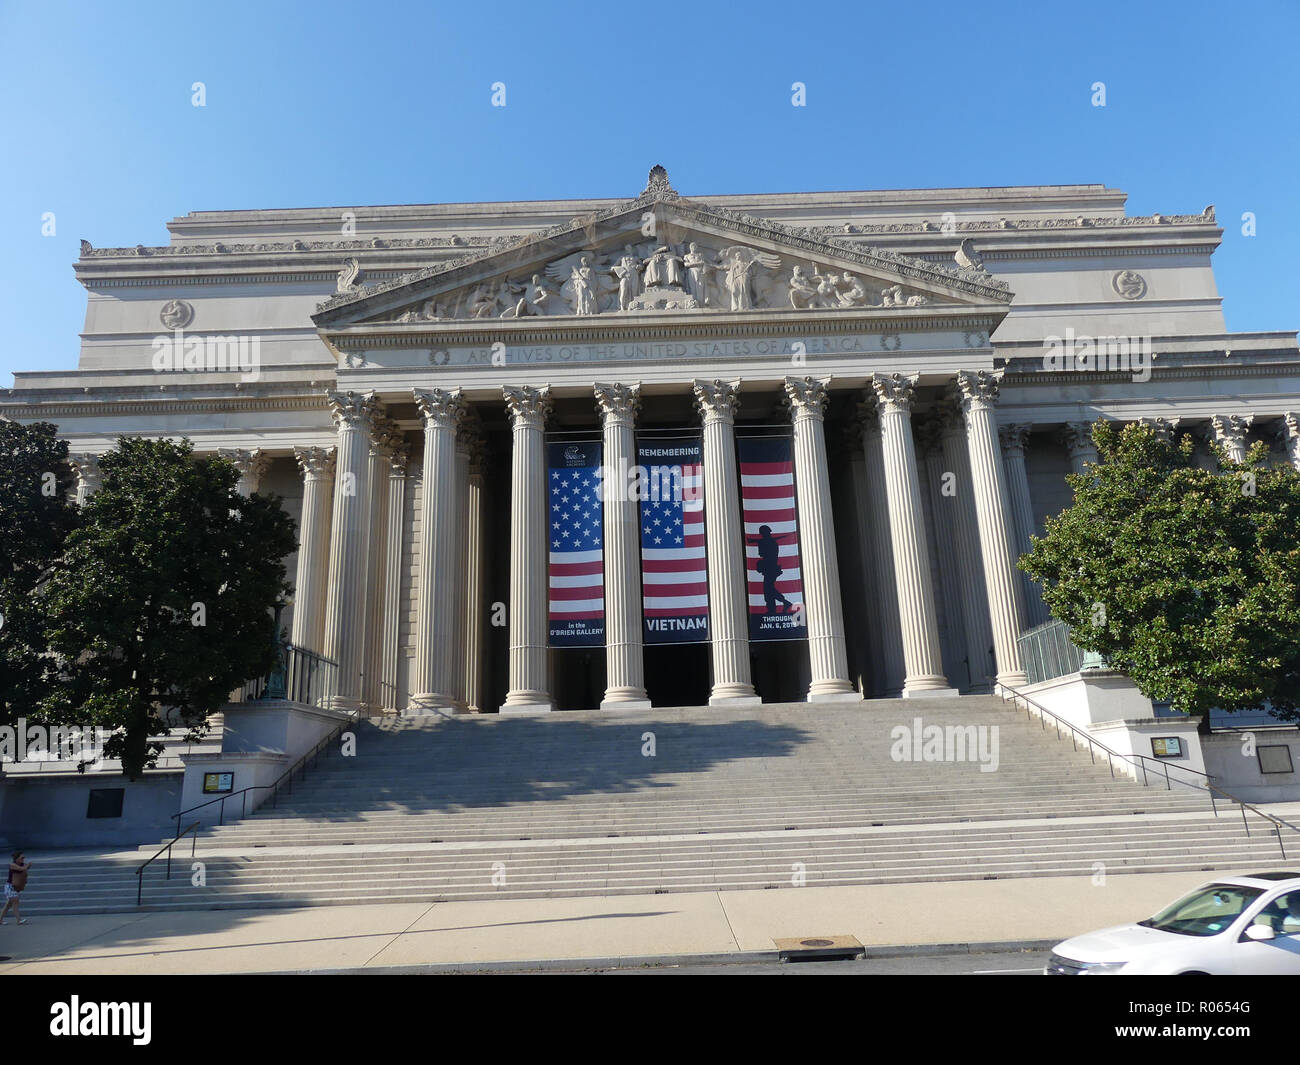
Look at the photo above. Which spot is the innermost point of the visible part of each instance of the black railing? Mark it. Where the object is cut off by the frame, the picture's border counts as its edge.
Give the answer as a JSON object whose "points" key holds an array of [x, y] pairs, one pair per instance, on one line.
{"points": [[1141, 760], [299, 675], [285, 778], [139, 873]]}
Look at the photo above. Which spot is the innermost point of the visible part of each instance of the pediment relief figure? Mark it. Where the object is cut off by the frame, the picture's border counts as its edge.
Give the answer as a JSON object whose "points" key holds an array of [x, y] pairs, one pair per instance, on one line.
{"points": [[651, 276]]}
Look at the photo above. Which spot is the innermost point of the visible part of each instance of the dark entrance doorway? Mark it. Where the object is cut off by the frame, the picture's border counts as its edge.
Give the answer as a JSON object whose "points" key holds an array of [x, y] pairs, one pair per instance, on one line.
{"points": [[677, 674]]}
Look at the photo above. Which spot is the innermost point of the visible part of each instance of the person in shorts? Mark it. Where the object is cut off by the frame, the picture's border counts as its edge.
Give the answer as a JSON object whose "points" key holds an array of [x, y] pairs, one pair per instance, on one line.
{"points": [[14, 885]]}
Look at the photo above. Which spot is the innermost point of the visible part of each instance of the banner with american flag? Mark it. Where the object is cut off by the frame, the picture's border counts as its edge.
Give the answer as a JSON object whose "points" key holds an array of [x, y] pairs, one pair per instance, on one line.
{"points": [[772, 574], [674, 570], [577, 558]]}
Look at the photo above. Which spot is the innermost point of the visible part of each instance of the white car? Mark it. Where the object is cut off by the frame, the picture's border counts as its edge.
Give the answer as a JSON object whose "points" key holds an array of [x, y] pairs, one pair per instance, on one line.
{"points": [[1237, 925]]}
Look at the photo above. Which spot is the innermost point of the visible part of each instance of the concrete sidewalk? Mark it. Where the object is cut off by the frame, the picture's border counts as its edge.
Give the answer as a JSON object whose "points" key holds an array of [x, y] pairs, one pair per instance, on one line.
{"points": [[667, 926]]}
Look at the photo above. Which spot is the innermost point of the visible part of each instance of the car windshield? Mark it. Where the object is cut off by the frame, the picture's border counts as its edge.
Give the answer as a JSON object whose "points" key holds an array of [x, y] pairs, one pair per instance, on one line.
{"points": [[1205, 912]]}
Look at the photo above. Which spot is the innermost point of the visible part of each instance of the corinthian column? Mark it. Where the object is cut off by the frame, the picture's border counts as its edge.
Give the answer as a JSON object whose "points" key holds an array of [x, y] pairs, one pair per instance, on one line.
{"points": [[317, 465], [465, 438], [433, 685], [940, 483], [391, 605], [1013, 439], [1230, 431], [384, 436], [970, 564], [530, 667], [893, 669], [823, 611], [346, 599], [252, 466], [476, 589], [1290, 436], [624, 661], [728, 593], [979, 394], [920, 629]]}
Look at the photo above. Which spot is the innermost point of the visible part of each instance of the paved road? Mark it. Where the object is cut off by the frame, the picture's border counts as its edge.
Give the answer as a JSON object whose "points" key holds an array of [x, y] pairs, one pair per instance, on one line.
{"points": [[1017, 963]]}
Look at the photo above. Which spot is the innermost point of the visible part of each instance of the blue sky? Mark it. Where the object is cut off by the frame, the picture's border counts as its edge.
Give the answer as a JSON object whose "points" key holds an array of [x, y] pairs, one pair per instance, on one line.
{"points": [[330, 103]]}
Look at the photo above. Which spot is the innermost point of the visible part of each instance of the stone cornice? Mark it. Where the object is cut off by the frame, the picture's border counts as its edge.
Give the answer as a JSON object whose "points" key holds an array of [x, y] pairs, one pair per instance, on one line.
{"points": [[691, 325]]}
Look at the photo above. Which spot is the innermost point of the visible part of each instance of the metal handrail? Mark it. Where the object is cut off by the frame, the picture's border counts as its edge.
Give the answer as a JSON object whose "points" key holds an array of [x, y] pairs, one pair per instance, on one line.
{"points": [[139, 873], [1134, 759], [1212, 788], [326, 741]]}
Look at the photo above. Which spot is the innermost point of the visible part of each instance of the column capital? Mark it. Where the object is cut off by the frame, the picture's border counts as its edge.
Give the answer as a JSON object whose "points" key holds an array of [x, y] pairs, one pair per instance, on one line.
{"points": [[1013, 438], [617, 403], [1077, 438], [351, 410], [717, 400], [1165, 429], [852, 433], [252, 463], [1290, 426], [806, 396], [1231, 429], [978, 387], [315, 462], [398, 452], [528, 406], [895, 391], [84, 465], [440, 408]]}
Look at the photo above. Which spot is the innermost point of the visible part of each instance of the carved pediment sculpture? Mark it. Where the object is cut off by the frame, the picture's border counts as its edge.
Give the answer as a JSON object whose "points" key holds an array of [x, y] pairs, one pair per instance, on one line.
{"points": [[695, 258]]}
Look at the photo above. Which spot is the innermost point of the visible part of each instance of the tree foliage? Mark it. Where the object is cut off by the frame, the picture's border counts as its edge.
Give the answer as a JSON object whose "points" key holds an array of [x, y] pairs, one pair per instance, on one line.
{"points": [[163, 596], [1186, 579], [36, 515]]}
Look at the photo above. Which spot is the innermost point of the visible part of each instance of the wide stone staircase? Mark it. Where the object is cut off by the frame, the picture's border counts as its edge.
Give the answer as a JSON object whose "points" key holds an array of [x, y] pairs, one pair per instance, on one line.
{"points": [[687, 799]]}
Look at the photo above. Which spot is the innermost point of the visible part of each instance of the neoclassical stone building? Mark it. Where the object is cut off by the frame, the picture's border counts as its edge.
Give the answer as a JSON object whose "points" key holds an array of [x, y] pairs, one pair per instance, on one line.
{"points": [[405, 378]]}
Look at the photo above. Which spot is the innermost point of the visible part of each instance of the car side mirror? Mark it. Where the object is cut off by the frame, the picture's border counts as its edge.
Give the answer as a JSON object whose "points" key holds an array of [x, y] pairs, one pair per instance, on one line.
{"points": [[1261, 933]]}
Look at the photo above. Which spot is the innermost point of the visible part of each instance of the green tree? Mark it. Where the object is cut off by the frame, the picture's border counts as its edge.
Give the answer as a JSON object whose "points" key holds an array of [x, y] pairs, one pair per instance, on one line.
{"points": [[163, 599], [36, 515], [1186, 579]]}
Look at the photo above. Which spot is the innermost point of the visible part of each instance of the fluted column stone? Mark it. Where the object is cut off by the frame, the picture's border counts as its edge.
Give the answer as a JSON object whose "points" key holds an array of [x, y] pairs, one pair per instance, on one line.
{"points": [[433, 685], [345, 598], [392, 603], [970, 562], [1013, 439], [476, 585], [530, 668], [888, 616], [823, 610], [979, 394], [317, 466], [1290, 434], [86, 467], [922, 655], [624, 653], [724, 535]]}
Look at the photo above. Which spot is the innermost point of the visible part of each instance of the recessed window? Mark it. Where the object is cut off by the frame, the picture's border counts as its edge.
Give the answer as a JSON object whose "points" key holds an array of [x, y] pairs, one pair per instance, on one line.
{"points": [[1275, 758], [105, 802]]}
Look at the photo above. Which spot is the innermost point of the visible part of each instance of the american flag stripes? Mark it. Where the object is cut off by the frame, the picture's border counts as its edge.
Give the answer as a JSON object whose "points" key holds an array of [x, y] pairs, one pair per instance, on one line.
{"points": [[577, 559], [674, 570]]}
